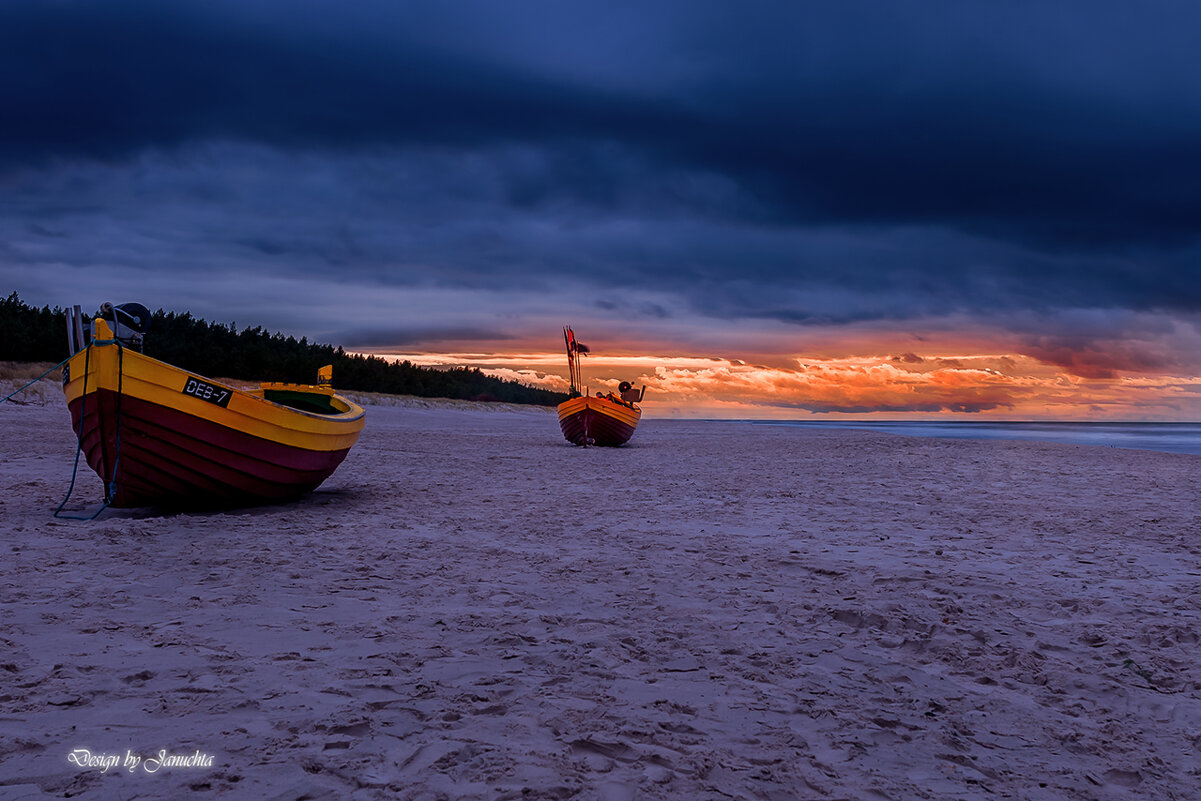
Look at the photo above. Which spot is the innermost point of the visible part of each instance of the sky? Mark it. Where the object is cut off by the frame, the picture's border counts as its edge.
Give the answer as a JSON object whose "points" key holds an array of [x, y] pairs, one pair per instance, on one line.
{"points": [[777, 209]]}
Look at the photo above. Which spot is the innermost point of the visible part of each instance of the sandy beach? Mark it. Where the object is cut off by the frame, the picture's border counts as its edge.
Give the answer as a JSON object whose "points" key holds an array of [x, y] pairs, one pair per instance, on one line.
{"points": [[472, 608]]}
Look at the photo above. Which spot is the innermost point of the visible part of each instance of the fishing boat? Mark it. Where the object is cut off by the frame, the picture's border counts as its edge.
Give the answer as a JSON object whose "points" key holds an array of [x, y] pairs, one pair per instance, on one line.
{"points": [[161, 436], [600, 419]]}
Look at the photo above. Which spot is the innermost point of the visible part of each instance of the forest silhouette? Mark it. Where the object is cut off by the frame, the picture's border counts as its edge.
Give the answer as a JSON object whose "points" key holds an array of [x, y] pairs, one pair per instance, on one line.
{"points": [[30, 334]]}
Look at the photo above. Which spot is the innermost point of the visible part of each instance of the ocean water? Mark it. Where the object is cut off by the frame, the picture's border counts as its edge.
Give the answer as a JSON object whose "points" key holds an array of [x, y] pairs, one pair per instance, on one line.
{"points": [[1168, 437]]}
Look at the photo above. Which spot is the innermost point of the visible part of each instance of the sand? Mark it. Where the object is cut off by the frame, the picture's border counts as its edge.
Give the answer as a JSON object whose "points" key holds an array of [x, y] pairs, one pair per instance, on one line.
{"points": [[472, 608]]}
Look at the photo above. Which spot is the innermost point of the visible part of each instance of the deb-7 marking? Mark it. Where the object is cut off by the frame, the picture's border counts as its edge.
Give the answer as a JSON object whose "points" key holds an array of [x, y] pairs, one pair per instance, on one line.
{"points": [[206, 391]]}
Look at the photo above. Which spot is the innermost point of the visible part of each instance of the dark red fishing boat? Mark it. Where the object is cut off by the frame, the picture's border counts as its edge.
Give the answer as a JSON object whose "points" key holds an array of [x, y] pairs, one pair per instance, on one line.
{"points": [[602, 419]]}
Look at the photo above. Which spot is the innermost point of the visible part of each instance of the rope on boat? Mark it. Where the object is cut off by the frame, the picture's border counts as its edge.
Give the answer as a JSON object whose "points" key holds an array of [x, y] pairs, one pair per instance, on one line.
{"points": [[110, 487], [83, 410], [34, 381]]}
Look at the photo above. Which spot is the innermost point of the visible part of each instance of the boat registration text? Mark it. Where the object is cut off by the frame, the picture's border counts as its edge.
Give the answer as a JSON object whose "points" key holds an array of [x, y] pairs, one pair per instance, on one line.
{"points": [[207, 392]]}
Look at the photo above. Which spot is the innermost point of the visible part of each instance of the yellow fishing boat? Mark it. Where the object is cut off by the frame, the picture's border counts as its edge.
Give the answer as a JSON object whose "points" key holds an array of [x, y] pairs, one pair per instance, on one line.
{"points": [[602, 419], [158, 435]]}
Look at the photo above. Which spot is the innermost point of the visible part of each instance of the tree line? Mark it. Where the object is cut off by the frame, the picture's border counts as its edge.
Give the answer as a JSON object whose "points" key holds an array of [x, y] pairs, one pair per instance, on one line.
{"points": [[29, 334]]}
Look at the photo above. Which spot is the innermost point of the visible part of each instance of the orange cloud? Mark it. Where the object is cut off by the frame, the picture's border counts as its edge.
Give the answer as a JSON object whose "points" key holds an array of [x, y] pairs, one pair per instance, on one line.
{"points": [[997, 385]]}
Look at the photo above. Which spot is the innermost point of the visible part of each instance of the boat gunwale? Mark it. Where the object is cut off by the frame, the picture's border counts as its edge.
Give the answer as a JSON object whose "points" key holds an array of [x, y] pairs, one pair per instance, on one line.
{"points": [[251, 393], [587, 402]]}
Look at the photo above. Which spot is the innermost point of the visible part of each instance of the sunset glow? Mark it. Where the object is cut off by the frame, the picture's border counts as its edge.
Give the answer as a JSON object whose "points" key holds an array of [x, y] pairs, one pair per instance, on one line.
{"points": [[993, 386]]}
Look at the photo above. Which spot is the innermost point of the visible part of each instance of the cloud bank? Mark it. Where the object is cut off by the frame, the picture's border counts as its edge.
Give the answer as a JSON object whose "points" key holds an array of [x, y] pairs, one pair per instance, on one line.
{"points": [[679, 174]]}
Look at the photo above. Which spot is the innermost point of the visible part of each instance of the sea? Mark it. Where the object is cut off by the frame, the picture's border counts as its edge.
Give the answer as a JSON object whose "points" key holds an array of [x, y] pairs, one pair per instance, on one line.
{"points": [[1167, 437]]}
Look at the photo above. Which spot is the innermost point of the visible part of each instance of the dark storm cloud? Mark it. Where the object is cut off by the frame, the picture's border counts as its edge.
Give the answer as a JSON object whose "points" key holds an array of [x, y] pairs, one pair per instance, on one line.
{"points": [[1106, 357], [403, 336], [812, 163], [628, 309], [107, 79], [932, 406], [1092, 359]]}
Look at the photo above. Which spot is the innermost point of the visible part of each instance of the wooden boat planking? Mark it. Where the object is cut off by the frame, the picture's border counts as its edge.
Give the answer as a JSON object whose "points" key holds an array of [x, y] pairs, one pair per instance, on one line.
{"points": [[598, 421]]}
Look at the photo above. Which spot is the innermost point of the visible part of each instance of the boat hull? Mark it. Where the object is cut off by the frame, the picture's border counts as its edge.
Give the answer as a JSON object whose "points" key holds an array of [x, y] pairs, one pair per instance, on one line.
{"points": [[155, 443], [598, 421]]}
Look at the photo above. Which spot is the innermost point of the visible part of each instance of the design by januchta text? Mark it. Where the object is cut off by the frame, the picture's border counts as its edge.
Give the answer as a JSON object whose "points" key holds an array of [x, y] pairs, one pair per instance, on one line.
{"points": [[163, 760]]}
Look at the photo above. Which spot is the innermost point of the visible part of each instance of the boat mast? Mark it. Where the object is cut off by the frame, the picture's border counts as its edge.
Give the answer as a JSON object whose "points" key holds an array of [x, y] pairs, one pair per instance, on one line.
{"points": [[574, 349]]}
